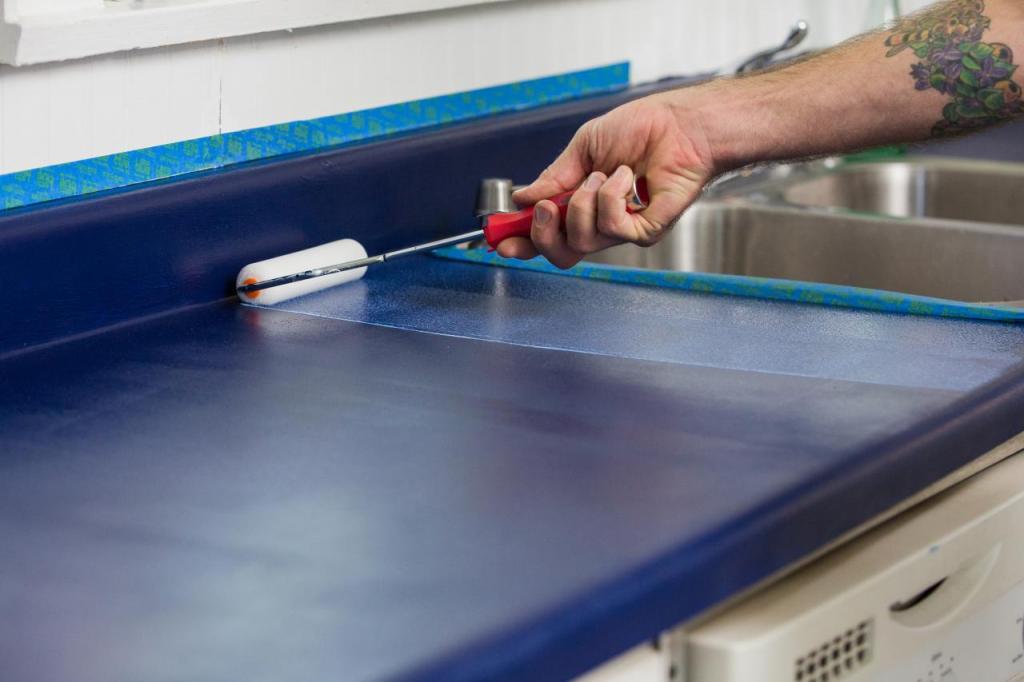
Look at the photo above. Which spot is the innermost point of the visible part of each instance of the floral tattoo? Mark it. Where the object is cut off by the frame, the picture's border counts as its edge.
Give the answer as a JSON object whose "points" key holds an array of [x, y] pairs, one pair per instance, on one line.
{"points": [[957, 62]]}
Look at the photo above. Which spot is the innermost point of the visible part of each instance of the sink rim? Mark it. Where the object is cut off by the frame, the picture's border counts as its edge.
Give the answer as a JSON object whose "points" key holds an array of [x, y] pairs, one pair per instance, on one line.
{"points": [[755, 203], [767, 185]]}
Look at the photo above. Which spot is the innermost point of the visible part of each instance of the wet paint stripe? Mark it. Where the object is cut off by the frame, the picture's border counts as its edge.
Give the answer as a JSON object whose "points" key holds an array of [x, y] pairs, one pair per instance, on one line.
{"points": [[179, 158], [793, 291]]}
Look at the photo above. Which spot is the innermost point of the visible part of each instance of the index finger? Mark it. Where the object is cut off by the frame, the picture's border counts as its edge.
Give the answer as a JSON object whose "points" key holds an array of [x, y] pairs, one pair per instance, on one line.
{"points": [[565, 173]]}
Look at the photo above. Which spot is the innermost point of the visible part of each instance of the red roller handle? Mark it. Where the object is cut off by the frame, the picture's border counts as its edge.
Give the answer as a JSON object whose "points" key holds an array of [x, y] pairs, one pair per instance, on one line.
{"points": [[501, 226]]}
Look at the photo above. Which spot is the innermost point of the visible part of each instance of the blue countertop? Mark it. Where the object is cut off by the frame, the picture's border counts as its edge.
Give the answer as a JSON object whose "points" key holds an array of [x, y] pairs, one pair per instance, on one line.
{"points": [[450, 471], [665, 325], [443, 472]]}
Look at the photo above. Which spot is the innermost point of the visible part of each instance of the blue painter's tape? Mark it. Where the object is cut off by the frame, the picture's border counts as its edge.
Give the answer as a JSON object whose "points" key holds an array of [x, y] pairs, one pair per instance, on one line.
{"points": [[756, 287], [178, 158]]}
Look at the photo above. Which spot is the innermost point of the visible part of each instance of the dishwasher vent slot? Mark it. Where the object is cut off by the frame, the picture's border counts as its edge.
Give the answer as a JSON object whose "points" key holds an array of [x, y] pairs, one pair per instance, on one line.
{"points": [[839, 657]]}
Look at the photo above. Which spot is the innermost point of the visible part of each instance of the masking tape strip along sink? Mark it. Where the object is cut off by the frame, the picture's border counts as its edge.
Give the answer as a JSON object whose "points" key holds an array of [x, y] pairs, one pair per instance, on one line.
{"points": [[755, 287]]}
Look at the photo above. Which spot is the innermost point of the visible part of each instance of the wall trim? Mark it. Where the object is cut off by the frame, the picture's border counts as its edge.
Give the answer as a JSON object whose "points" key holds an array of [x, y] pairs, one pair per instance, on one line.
{"points": [[114, 26]]}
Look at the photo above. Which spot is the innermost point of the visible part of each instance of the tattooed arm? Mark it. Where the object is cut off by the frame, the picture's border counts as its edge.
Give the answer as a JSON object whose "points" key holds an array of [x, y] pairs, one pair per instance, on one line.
{"points": [[957, 55], [948, 69]]}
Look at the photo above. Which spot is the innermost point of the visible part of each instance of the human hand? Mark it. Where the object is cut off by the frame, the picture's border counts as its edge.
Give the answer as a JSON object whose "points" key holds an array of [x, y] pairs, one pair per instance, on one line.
{"points": [[653, 137]]}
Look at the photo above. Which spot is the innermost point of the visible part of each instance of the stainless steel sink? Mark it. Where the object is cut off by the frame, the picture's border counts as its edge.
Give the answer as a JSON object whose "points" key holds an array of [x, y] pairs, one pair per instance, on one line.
{"points": [[933, 227], [929, 188]]}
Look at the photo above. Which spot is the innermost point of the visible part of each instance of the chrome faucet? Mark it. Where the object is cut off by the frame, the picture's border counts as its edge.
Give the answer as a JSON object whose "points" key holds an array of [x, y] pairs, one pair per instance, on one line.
{"points": [[796, 36]]}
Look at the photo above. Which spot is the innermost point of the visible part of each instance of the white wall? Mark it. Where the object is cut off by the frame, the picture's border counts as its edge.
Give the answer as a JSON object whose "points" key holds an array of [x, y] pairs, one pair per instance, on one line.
{"points": [[52, 113]]}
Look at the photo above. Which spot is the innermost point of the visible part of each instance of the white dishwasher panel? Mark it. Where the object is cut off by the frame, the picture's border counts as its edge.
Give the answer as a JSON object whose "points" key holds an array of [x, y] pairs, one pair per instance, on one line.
{"points": [[933, 595]]}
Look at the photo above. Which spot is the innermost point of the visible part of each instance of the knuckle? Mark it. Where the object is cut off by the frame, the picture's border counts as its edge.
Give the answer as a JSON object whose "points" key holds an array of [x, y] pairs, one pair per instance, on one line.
{"points": [[651, 235], [608, 226], [607, 193], [580, 203]]}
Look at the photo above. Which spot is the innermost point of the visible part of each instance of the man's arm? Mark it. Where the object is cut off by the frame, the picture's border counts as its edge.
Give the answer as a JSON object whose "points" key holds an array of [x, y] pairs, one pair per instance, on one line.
{"points": [[945, 70], [949, 69]]}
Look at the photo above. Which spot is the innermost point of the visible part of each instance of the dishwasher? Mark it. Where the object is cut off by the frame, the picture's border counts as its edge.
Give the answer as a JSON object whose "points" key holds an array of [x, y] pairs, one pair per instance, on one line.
{"points": [[935, 594]]}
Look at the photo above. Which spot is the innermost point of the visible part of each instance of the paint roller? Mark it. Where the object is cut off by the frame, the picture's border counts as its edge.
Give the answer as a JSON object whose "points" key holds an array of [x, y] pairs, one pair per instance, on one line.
{"points": [[302, 272]]}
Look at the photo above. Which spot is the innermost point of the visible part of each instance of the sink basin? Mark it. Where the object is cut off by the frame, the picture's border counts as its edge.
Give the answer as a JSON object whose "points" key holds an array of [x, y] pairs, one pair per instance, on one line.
{"points": [[932, 188], [911, 227]]}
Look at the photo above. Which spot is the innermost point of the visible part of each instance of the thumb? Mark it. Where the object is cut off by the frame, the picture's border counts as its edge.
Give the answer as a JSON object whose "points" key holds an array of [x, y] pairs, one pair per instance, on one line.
{"points": [[565, 173]]}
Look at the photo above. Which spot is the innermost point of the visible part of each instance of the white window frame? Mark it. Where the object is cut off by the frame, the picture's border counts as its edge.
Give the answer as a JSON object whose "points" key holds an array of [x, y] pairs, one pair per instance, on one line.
{"points": [[35, 31]]}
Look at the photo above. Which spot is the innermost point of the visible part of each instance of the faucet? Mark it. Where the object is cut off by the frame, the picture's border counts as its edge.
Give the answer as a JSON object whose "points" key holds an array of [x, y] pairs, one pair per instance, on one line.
{"points": [[797, 34]]}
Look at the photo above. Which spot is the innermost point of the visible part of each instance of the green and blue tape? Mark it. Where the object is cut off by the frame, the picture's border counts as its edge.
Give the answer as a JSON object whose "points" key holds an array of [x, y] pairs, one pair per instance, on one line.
{"points": [[755, 287], [179, 158]]}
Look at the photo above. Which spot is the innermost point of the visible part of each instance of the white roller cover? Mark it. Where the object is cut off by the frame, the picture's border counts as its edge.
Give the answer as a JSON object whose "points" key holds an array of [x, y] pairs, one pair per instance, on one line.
{"points": [[308, 259]]}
